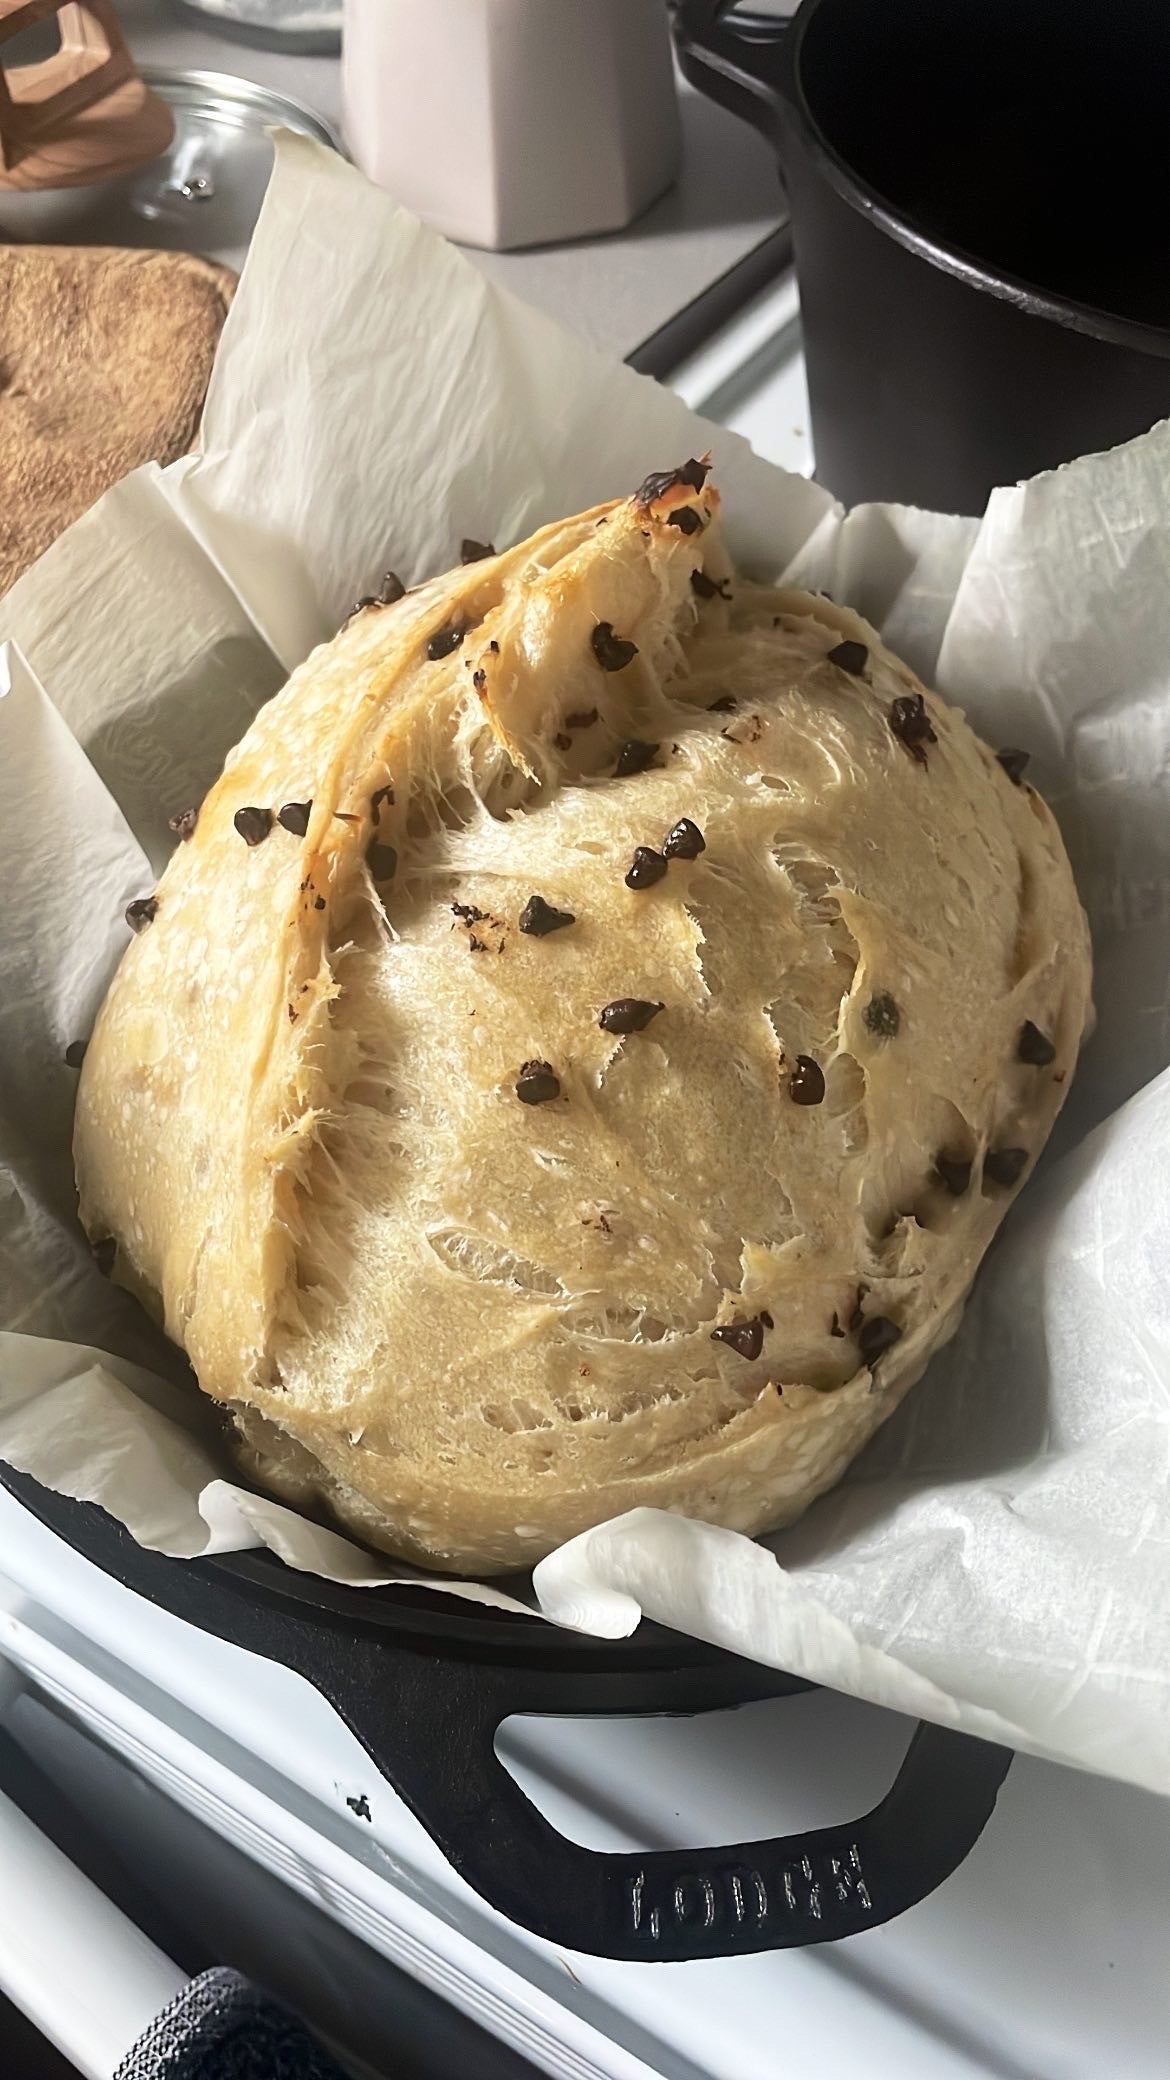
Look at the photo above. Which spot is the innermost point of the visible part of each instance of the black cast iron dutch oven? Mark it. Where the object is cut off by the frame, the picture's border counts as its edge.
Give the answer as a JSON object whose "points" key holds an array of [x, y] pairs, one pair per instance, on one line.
{"points": [[980, 201], [424, 1681]]}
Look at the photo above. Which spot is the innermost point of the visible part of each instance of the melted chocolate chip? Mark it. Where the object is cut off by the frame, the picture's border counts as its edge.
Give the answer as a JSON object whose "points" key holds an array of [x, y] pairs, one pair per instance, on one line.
{"points": [[582, 718], [382, 861], [745, 1338], [725, 705], [75, 1053], [537, 1083], [494, 647], [684, 840], [1004, 1165], [806, 1084], [253, 824], [1034, 1047], [628, 1015], [912, 725], [877, 1335], [835, 1328], [882, 1016], [479, 680], [318, 902], [391, 590], [646, 867], [469, 913], [141, 912], [183, 824], [538, 918], [850, 657], [686, 519], [634, 757], [953, 1172], [104, 1253], [613, 653], [471, 551], [445, 640], [1013, 763], [694, 474], [295, 817], [359, 606], [702, 586], [380, 795]]}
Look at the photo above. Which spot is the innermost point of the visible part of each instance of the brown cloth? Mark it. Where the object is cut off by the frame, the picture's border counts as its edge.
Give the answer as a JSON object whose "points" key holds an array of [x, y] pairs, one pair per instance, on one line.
{"points": [[104, 362]]}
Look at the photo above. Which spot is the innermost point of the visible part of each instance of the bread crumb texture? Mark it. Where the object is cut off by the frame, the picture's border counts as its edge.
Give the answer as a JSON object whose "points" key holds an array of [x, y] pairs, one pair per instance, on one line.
{"points": [[479, 1255]]}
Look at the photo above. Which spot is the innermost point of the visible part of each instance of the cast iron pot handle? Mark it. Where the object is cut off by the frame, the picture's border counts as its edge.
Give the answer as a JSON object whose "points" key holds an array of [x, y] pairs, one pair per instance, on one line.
{"points": [[723, 61], [432, 1731]]}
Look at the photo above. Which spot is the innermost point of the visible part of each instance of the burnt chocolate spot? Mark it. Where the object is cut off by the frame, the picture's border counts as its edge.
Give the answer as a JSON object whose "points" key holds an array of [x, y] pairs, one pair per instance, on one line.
{"points": [[684, 840], [850, 657], [382, 861], [953, 1173], [806, 1084], [702, 586], [75, 1053], [877, 1335], [1034, 1047], [646, 867], [613, 653], [912, 725], [380, 795], [537, 1083], [628, 1015], [882, 1016], [582, 718], [1004, 1165], [471, 551], [686, 519], [745, 1338], [104, 1253], [253, 824], [538, 918], [725, 705], [184, 822], [1013, 763], [141, 912], [445, 640], [391, 590], [634, 757], [295, 817]]}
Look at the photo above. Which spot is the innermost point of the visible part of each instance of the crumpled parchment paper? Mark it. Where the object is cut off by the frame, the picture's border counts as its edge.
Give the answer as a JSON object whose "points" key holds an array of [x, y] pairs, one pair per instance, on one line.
{"points": [[999, 1560]]}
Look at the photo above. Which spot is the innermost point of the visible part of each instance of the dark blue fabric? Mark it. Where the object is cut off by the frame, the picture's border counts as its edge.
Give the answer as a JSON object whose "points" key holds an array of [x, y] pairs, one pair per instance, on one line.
{"points": [[220, 2027]]}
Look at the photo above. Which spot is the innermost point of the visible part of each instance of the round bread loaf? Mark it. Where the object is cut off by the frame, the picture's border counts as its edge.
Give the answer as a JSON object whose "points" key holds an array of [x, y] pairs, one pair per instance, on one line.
{"points": [[582, 1048]]}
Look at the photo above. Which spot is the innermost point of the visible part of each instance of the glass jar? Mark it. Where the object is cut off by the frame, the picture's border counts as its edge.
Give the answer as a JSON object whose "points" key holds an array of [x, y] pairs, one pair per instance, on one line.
{"points": [[277, 25]]}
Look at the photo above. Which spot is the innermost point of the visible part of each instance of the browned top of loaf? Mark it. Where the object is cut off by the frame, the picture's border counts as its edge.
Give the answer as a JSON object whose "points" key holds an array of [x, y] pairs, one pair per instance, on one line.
{"points": [[104, 363]]}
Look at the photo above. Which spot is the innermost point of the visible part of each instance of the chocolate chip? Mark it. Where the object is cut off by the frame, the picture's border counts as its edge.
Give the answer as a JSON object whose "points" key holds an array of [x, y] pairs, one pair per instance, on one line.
{"points": [[634, 757], [613, 653], [692, 473], [1004, 1165], [141, 912], [318, 902], [1013, 763], [359, 606], [445, 640], [295, 817], [253, 824], [391, 590], [75, 1053], [646, 868], [702, 586], [538, 918], [912, 725], [686, 519], [479, 680], [806, 1084], [382, 861], [684, 840], [882, 1016], [471, 551], [469, 913], [628, 1015], [953, 1172], [494, 647], [877, 1335], [582, 718], [725, 705], [104, 1253], [850, 657], [1034, 1047], [380, 795], [183, 824], [537, 1083], [745, 1338]]}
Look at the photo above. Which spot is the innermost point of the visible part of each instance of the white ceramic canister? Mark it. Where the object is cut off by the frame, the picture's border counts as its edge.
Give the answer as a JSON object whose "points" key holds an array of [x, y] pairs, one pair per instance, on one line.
{"points": [[513, 122]]}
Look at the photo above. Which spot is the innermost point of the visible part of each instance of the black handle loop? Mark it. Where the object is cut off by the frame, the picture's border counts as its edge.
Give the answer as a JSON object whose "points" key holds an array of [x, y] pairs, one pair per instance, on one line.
{"points": [[734, 60]]}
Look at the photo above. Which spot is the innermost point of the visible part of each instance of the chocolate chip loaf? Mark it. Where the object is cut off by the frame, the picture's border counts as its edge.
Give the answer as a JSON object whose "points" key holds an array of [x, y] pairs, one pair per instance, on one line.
{"points": [[582, 1047]]}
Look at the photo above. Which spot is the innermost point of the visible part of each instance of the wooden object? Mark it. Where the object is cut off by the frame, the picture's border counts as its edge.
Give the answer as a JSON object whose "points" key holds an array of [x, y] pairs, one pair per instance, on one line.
{"points": [[81, 115]]}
